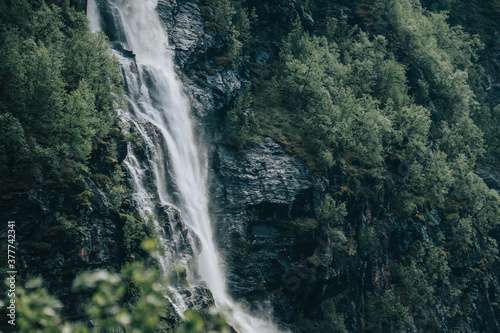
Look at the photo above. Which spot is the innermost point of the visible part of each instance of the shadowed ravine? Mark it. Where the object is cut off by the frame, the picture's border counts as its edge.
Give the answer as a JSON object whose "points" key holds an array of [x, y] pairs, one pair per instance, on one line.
{"points": [[176, 165]]}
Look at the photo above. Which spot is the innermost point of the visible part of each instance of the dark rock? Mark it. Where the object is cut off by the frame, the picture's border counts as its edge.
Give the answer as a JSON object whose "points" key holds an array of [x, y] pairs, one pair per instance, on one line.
{"points": [[197, 298], [249, 192], [264, 183], [186, 29], [194, 46], [490, 176], [126, 53], [266, 173]]}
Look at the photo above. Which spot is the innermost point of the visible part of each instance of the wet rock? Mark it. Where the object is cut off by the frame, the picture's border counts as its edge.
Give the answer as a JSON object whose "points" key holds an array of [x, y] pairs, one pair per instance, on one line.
{"points": [[186, 29], [265, 183], [197, 298], [209, 87]]}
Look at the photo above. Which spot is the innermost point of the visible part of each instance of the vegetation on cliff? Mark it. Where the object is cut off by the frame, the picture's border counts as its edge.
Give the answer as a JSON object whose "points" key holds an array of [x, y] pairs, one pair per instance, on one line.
{"points": [[387, 100], [59, 93]]}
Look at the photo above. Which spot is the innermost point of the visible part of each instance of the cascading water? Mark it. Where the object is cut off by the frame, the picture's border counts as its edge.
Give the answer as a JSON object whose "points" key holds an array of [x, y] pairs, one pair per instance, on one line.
{"points": [[175, 174]]}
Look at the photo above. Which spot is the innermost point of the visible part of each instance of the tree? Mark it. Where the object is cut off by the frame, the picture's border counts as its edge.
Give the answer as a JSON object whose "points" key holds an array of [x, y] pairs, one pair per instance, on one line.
{"points": [[62, 83], [241, 124], [13, 149], [88, 57], [42, 89], [385, 313], [79, 124]]}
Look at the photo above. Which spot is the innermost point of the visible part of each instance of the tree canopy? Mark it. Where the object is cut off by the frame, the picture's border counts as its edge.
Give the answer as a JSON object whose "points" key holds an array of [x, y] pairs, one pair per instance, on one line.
{"points": [[59, 91]]}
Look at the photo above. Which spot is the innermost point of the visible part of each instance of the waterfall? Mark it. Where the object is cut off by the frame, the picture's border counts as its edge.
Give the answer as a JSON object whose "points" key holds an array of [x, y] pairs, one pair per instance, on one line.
{"points": [[175, 174]]}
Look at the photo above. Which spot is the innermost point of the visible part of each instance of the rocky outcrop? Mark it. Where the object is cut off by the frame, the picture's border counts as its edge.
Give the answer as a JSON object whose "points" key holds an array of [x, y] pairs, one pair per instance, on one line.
{"points": [[265, 183], [186, 30], [251, 194], [489, 175], [266, 173], [209, 87]]}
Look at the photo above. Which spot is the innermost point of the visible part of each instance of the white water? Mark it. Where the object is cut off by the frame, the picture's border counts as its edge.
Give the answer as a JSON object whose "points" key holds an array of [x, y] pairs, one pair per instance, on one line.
{"points": [[160, 114]]}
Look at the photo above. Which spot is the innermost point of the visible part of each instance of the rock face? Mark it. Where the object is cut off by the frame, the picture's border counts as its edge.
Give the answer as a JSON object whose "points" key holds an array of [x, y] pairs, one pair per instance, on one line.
{"points": [[265, 174], [209, 88], [186, 29], [250, 194], [490, 176]]}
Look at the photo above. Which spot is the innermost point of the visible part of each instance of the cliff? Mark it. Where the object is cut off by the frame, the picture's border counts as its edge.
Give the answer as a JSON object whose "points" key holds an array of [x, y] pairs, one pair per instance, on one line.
{"points": [[324, 247]]}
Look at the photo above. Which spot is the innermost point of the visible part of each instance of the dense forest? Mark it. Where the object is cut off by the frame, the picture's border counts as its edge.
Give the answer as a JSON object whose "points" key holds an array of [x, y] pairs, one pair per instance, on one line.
{"points": [[396, 103], [60, 92]]}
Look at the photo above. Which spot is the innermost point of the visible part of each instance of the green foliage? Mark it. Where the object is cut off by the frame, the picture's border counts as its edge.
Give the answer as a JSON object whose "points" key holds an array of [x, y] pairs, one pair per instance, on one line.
{"points": [[482, 203], [116, 188], [88, 57], [194, 322], [489, 122], [296, 226], [332, 322], [331, 213], [327, 93], [443, 55], [430, 176], [235, 45], [37, 310], [340, 242], [108, 308], [421, 277], [436, 266], [459, 237], [223, 12], [240, 245], [385, 313], [69, 226], [232, 22], [366, 238], [416, 290], [77, 128], [344, 99], [331, 216], [13, 149], [134, 232], [411, 128], [179, 276], [241, 125], [62, 85]]}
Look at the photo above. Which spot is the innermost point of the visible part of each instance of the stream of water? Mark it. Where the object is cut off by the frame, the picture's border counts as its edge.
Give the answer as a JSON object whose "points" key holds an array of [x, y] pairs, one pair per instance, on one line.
{"points": [[177, 166]]}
